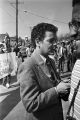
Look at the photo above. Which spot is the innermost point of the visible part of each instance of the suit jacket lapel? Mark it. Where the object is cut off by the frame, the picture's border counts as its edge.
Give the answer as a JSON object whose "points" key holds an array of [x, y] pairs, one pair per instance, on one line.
{"points": [[57, 76], [39, 63]]}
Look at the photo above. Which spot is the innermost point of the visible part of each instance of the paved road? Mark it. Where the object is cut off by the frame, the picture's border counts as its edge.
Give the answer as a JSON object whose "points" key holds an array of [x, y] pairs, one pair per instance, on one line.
{"points": [[11, 107]]}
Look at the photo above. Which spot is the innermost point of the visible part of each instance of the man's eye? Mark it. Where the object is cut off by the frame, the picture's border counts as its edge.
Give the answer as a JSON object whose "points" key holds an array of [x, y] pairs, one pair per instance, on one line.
{"points": [[52, 41]]}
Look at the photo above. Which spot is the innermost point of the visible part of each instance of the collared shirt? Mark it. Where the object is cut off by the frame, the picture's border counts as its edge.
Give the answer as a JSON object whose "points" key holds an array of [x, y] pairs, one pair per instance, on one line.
{"points": [[45, 68], [43, 58]]}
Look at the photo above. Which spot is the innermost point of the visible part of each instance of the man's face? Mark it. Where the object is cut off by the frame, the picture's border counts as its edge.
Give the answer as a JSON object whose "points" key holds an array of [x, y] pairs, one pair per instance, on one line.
{"points": [[47, 43]]}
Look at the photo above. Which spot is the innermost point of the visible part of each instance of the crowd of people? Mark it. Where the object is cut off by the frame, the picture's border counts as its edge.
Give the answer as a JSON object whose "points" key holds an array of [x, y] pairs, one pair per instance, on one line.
{"points": [[41, 79], [20, 56], [65, 54]]}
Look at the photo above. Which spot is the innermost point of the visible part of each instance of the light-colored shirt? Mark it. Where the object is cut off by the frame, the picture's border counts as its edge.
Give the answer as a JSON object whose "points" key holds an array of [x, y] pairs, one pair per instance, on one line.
{"points": [[43, 58], [45, 68], [75, 77]]}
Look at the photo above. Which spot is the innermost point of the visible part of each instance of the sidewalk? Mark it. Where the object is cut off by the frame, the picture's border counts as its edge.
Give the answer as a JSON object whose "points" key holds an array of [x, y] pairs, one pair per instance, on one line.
{"points": [[4, 89], [9, 98]]}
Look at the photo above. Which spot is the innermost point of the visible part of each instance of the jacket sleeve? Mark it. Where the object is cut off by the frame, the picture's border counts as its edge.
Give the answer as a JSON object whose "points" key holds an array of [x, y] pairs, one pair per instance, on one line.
{"points": [[32, 96]]}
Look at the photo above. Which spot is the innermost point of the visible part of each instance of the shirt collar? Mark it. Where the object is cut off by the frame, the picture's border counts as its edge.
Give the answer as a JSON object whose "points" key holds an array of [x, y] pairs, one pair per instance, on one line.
{"points": [[39, 58], [43, 58]]}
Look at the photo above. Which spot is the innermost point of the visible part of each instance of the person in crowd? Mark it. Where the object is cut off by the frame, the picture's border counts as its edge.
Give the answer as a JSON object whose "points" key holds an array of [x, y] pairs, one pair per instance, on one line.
{"points": [[1, 49], [74, 53], [41, 88], [19, 62], [1, 52], [69, 56], [7, 79], [29, 50], [16, 49], [61, 57]]}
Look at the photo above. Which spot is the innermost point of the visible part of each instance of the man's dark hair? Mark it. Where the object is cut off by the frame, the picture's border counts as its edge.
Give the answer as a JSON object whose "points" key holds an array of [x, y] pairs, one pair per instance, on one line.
{"points": [[38, 31], [74, 2]]}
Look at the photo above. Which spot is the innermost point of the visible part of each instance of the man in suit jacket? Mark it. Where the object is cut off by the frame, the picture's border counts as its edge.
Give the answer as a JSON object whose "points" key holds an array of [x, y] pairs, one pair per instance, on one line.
{"points": [[40, 87]]}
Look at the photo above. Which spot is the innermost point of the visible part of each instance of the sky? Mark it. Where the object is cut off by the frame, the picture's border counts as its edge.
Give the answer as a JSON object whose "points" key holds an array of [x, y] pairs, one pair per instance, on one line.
{"points": [[56, 12]]}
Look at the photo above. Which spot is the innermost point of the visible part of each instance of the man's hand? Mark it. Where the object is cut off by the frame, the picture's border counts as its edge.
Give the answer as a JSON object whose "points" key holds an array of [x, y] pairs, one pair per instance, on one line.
{"points": [[63, 87], [67, 80]]}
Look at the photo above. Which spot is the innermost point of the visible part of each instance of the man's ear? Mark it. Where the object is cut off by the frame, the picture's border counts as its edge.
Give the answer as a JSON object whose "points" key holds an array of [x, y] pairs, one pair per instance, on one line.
{"points": [[37, 42]]}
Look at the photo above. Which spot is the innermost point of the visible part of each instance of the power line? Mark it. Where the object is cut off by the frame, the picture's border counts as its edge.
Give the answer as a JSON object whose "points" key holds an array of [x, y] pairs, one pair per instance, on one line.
{"points": [[11, 5], [9, 22], [44, 17], [38, 14], [20, 17], [8, 13]]}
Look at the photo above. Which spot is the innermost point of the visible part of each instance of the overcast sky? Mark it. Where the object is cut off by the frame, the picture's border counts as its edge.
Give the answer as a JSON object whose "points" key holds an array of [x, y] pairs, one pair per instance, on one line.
{"points": [[57, 12]]}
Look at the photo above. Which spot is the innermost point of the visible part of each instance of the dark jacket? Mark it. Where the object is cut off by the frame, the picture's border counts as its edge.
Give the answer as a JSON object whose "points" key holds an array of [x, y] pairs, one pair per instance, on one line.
{"points": [[38, 92]]}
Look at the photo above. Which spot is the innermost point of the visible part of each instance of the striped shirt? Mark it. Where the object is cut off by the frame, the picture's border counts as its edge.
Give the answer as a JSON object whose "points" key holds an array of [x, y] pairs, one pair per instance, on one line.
{"points": [[75, 77]]}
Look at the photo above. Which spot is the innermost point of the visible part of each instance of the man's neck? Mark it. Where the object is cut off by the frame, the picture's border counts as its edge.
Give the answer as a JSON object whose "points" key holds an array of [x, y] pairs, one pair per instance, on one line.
{"points": [[40, 53]]}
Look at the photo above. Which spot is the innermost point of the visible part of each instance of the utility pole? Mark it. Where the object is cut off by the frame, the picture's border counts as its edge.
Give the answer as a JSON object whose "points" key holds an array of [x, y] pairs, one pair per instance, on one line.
{"points": [[17, 2], [17, 22]]}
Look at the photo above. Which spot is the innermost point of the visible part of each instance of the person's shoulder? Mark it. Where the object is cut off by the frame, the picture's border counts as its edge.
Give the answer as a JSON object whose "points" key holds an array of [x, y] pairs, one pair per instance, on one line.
{"points": [[76, 68], [28, 63], [77, 62]]}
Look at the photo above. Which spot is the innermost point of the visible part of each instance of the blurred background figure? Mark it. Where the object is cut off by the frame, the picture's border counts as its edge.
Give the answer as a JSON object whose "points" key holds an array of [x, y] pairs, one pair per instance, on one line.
{"points": [[6, 80], [61, 56], [29, 50]]}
